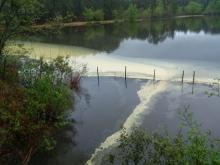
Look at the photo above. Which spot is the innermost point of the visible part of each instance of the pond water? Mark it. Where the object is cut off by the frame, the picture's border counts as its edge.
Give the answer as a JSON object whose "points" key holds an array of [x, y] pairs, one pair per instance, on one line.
{"points": [[101, 111], [166, 46]]}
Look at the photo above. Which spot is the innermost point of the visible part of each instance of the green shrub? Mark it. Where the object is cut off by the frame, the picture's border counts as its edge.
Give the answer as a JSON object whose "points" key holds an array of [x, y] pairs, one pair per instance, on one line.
{"points": [[213, 7], [33, 107], [98, 15], [131, 13], [93, 15], [159, 11], [180, 10], [69, 17], [196, 147], [145, 13], [193, 8], [88, 14]]}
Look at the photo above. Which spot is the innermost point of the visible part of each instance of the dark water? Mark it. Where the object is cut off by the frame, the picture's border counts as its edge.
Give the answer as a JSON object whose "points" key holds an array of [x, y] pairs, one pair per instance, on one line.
{"points": [[183, 38], [166, 106], [101, 111]]}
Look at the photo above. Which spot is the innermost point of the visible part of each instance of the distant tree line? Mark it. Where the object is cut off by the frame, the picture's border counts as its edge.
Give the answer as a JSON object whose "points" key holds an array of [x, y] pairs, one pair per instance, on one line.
{"points": [[97, 10]]}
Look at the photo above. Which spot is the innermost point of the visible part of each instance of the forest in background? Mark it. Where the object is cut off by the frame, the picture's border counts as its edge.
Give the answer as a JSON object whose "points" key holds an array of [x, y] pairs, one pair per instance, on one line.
{"points": [[98, 10]]}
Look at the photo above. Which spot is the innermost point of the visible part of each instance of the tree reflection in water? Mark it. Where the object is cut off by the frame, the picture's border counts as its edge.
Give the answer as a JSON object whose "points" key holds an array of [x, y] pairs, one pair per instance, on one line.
{"points": [[108, 37]]}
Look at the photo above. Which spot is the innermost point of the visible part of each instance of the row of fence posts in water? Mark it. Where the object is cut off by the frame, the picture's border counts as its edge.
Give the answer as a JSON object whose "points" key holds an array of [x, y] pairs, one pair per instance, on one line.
{"points": [[154, 76]]}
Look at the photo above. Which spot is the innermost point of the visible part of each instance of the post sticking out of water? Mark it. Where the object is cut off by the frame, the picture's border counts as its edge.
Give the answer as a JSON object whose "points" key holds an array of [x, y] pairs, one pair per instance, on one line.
{"points": [[183, 76], [126, 76], [98, 74], [192, 89], [125, 72], [154, 78], [194, 74], [218, 87]]}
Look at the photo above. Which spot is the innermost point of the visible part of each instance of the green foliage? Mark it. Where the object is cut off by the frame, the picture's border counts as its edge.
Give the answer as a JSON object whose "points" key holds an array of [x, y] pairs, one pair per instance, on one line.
{"points": [[159, 10], [14, 17], [145, 14], [91, 10], [93, 15], [99, 15], [131, 13], [88, 14], [180, 10], [39, 11], [116, 15], [33, 107], [69, 17], [213, 7], [193, 8], [194, 147]]}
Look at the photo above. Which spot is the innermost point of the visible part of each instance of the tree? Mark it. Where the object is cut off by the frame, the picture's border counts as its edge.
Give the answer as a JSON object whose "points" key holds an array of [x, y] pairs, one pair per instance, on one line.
{"points": [[34, 106], [99, 15], [213, 7], [88, 14], [145, 14], [159, 10], [14, 16], [193, 8], [131, 13]]}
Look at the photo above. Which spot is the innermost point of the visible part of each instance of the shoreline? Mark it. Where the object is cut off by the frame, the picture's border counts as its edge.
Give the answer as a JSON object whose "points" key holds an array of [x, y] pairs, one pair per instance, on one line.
{"points": [[177, 81], [104, 22], [170, 70]]}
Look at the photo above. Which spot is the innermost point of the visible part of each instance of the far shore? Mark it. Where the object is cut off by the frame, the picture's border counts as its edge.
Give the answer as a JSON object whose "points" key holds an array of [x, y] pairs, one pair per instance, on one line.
{"points": [[85, 23]]}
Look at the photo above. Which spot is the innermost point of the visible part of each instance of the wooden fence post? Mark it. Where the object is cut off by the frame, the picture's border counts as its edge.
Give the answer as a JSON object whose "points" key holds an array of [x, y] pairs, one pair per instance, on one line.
{"points": [[126, 76], [98, 75], [125, 72], [154, 78], [183, 76], [194, 74]]}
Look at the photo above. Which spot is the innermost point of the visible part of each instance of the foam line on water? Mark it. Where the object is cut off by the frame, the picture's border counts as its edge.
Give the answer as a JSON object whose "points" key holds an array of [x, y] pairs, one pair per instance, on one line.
{"points": [[145, 94], [113, 65]]}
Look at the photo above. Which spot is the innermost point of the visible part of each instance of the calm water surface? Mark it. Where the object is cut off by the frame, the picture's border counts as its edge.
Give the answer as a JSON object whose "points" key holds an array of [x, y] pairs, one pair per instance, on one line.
{"points": [[100, 111], [169, 46]]}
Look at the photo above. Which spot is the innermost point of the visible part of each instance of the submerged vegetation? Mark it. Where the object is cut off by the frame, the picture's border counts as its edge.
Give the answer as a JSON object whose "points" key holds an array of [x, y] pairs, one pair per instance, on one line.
{"points": [[190, 146]]}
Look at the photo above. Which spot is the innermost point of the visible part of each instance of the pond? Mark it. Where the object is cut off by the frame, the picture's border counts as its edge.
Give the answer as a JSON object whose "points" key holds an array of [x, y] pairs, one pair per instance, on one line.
{"points": [[165, 46], [101, 111], [168, 46]]}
